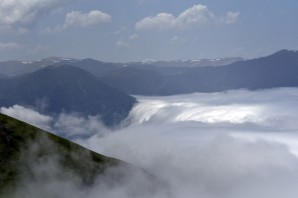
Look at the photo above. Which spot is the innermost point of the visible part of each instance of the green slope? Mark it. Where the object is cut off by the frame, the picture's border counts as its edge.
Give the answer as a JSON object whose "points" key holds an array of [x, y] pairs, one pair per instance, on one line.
{"points": [[23, 147]]}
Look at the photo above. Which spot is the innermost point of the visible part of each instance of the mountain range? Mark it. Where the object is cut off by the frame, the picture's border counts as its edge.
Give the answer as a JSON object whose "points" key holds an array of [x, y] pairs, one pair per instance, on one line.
{"points": [[177, 77], [66, 89], [91, 87], [277, 70], [13, 68], [29, 155], [99, 68], [190, 63]]}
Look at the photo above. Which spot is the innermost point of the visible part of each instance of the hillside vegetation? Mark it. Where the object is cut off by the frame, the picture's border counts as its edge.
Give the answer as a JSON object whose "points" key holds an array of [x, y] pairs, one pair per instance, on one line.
{"points": [[24, 149]]}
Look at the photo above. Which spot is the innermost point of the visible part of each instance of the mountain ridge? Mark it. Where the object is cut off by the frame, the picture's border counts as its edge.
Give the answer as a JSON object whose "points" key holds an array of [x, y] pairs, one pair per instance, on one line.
{"points": [[37, 163], [16, 138], [65, 88], [277, 70], [100, 68]]}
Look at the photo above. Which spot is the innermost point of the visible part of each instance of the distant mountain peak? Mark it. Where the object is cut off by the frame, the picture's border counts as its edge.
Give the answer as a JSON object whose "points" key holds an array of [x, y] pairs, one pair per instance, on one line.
{"points": [[58, 59], [148, 61], [191, 62], [69, 89], [49, 60], [285, 51], [91, 60]]}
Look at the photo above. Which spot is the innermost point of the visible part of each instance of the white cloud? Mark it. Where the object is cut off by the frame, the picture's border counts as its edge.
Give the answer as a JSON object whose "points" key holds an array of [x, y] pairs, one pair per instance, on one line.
{"points": [[193, 164], [28, 115], [231, 17], [12, 46], [74, 125], [68, 125], [134, 36], [122, 43], [197, 15], [234, 107], [236, 144], [189, 142], [160, 21], [79, 19], [25, 13]]}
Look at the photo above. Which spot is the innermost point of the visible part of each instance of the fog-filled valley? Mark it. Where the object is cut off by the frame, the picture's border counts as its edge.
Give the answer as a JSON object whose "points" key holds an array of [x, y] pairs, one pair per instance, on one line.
{"points": [[236, 143], [148, 99]]}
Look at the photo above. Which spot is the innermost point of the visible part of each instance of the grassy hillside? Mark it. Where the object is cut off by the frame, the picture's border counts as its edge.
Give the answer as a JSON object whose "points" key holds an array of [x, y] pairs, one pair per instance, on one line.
{"points": [[24, 149]]}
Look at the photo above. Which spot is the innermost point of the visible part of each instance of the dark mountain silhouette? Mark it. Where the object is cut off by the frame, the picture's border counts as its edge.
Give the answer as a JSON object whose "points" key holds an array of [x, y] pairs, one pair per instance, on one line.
{"points": [[95, 67], [13, 68], [99, 68], [65, 88], [31, 158], [135, 80], [177, 77], [277, 70], [17, 158]]}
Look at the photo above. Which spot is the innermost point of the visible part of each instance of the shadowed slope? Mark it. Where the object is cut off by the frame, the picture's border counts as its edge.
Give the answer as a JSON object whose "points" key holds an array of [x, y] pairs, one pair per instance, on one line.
{"points": [[277, 70], [68, 89], [23, 147]]}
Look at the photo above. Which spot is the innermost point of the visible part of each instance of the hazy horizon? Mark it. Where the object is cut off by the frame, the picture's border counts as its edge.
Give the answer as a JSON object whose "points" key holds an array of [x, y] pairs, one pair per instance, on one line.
{"points": [[143, 60]]}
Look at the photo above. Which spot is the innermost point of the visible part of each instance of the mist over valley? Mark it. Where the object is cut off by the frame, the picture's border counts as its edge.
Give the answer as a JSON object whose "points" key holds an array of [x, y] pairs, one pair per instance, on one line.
{"points": [[225, 144], [148, 99]]}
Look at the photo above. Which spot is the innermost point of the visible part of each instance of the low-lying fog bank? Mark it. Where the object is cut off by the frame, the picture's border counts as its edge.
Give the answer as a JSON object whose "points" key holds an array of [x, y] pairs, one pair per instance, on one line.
{"points": [[236, 144]]}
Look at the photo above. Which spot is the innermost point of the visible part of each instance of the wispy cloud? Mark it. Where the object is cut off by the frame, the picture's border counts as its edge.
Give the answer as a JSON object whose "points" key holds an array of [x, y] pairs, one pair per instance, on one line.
{"points": [[231, 17], [80, 20], [122, 43], [28, 115], [24, 14], [68, 125], [178, 40], [11, 46], [134, 36], [37, 49]]}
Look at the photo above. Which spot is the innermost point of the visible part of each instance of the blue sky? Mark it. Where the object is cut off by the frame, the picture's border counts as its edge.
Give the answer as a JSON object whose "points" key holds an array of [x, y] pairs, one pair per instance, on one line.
{"points": [[131, 30]]}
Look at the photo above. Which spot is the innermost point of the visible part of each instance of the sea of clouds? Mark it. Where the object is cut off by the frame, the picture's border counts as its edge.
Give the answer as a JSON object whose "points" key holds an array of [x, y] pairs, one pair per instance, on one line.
{"points": [[235, 144]]}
